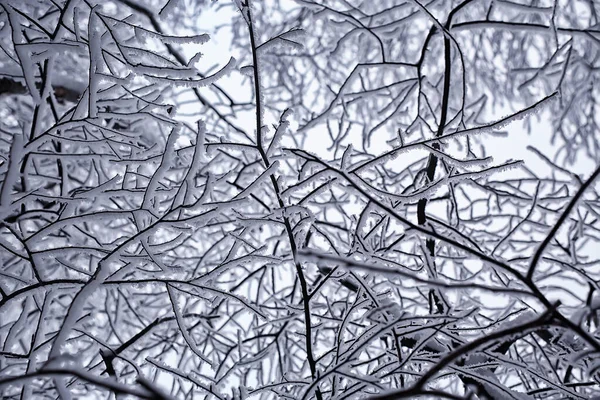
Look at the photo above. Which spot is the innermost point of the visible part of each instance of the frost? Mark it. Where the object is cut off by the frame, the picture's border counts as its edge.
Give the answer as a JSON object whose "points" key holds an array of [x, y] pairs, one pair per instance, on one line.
{"points": [[307, 183], [95, 60], [344, 162], [168, 39], [487, 128], [12, 173], [155, 231], [183, 329], [178, 80], [26, 63], [461, 163], [504, 122], [287, 40], [282, 129]]}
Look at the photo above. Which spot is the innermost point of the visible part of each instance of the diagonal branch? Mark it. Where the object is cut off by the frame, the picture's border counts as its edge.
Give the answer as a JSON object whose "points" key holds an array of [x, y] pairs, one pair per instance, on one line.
{"points": [[561, 220]]}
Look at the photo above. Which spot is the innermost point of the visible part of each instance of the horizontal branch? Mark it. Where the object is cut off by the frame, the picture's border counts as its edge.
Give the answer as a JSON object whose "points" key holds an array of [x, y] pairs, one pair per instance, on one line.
{"points": [[524, 27]]}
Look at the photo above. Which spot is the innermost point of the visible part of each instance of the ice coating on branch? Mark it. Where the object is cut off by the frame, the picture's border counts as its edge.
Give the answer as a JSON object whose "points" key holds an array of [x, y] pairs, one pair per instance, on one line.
{"points": [[194, 60], [505, 121], [95, 61], [243, 148], [314, 178], [26, 62], [183, 329], [318, 119], [282, 128], [150, 201], [108, 204], [482, 162], [287, 40], [239, 298], [192, 83], [143, 33], [487, 128], [164, 71], [486, 172], [38, 48], [11, 176], [241, 262], [345, 161]]}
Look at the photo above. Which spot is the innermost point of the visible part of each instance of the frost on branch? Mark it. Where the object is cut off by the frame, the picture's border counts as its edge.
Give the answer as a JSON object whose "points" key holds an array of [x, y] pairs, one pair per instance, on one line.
{"points": [[340, 220]]}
